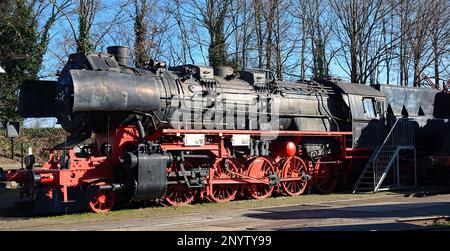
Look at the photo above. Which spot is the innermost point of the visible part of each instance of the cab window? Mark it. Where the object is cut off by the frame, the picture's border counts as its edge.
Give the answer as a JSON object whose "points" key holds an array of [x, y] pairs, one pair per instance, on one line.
{"points": [[369, 107]]}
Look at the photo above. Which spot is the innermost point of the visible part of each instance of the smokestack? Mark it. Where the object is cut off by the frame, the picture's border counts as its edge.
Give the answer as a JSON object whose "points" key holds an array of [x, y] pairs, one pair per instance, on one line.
{"points": [[122, 54]]}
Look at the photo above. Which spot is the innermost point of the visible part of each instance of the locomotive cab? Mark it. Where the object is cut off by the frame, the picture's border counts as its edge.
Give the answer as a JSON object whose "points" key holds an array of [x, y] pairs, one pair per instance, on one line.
{"points": [[362, 109]]}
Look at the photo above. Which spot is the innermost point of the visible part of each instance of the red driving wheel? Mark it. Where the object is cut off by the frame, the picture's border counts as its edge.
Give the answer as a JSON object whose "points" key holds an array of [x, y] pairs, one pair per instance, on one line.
{"points": [[179, 194], [325, 178], [103, 202], [294, 167], [223, 192], [260, 168]]}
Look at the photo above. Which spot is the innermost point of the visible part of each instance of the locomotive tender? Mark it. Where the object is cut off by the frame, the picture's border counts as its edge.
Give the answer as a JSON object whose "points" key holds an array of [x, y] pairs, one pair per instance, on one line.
{"points": [[192, 132]]}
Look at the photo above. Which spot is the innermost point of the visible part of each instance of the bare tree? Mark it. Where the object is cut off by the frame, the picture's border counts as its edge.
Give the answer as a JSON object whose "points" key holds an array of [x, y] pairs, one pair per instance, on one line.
{"points": [[258, 8], [85, 12], [213, 14], [285, 40], [240, 21], [301, 14], [175, 9], [388, 36], [418, 39], [45, 16], [439, 33], [361, 38], [269, 17], [319, 28], [371, 41]]}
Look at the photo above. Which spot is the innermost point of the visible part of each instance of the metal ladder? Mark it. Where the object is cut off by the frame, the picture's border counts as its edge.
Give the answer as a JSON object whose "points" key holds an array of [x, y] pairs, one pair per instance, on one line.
{"points": [[400, 138]]}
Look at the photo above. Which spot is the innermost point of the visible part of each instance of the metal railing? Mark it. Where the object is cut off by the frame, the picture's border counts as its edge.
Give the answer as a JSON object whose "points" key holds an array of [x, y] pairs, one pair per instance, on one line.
{"points": [[400, 137]]}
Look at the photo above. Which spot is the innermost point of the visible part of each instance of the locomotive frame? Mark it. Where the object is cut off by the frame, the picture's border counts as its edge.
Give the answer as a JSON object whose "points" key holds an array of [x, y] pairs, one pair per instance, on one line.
{"points": [[64, 183]]}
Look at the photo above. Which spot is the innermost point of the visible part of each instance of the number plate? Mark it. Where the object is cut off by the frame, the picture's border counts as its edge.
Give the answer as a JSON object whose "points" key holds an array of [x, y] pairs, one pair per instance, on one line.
{"points": [[241, 140], [194, 140]]}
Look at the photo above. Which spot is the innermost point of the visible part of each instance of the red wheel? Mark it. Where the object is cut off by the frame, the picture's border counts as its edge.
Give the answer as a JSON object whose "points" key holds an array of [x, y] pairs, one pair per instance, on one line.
{"points": [[223, 192], [179, 194], [325, 179], [103, 202], [294, 167], [260, 168]]}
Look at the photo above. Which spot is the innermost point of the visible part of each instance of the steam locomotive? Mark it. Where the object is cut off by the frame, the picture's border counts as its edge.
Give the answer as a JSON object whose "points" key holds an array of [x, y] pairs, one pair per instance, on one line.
{"points": [[180, 134]]}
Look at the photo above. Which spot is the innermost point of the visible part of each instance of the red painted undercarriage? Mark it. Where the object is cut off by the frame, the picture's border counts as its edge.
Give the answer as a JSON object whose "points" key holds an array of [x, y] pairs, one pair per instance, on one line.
{"points": [[215, 168]]}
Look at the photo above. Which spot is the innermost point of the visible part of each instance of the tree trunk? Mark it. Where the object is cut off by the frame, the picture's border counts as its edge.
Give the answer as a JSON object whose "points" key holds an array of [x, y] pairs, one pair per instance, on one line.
{"points": [[303, 49], [416, 71], [269, 31], [259, 33], [279, 63], [140, 30], [86, 13], [216, 21]]}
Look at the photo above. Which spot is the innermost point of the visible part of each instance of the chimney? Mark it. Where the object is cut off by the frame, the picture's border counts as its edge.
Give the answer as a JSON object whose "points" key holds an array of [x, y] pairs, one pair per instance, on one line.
{"points": [[122, 54]]}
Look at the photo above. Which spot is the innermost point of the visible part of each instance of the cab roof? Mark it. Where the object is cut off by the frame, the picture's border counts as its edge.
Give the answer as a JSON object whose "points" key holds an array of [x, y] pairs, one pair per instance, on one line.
{"points": [[353, 89]]}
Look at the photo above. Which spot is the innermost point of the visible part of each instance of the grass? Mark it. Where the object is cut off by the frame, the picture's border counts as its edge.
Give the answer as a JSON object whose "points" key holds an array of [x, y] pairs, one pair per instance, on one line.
{"points": [[159, 211]]}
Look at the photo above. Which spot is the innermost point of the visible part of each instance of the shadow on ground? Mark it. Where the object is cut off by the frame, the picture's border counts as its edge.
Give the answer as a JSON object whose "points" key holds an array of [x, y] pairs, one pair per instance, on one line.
{"points": [[370, 212]]}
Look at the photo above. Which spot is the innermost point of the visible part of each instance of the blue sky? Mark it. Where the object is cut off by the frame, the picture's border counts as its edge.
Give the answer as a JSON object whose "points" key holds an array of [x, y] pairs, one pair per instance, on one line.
{"points": [[120, 33]]}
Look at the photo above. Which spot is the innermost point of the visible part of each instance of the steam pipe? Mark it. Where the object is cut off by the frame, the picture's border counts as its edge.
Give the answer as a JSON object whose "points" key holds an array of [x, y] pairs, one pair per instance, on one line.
{"points": [[140, 128]]}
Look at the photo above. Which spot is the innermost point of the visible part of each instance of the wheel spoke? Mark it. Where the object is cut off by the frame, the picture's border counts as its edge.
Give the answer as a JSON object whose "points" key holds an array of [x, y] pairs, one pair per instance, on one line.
{"points": [[103, 202], [260, 168], [325, 182], [223, 192], [293, 167], [179, 195]]}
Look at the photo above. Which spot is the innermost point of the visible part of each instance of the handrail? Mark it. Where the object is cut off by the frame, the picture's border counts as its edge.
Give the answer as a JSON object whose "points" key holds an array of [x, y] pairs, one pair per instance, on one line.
{"points": [[387, 138], [401, 135]]}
